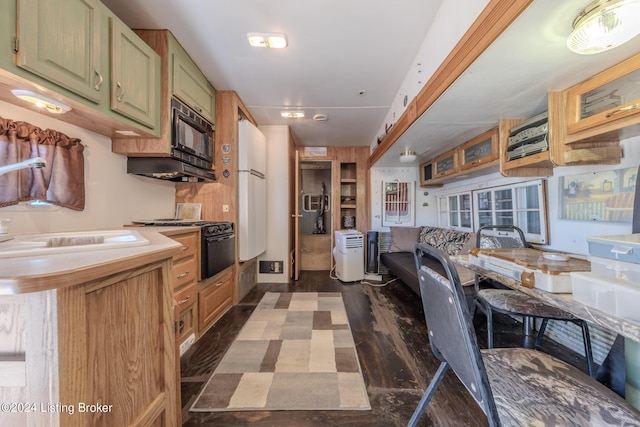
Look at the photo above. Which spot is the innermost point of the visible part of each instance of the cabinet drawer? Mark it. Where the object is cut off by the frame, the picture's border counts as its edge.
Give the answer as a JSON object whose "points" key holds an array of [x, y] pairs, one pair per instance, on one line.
{"points": [[213, 300], [184, 271], [189, 246], [185, 297]]}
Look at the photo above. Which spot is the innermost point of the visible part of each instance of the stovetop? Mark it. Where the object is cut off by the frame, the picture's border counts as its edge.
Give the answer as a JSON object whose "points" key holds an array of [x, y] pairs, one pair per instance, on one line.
{"points": [[209, 228], [173, 222]]}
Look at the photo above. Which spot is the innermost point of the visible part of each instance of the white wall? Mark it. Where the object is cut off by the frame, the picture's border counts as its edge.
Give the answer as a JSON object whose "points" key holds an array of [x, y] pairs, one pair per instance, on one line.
{"points": [[566, 235], [278, 212], [113, 197]]}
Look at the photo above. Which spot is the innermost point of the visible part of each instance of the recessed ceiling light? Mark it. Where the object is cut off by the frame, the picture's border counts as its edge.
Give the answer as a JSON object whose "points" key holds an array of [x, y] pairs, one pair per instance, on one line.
{"points": [[291, 114], [272, 40], [41, 101]]}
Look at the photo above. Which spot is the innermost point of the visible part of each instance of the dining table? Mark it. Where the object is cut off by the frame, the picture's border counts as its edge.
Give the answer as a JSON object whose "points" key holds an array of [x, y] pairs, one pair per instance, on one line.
{"points": [[621, 367]]}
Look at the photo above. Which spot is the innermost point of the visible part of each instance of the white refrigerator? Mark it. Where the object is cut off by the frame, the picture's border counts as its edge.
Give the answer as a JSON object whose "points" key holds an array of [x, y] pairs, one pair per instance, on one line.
{"points": [[252, 186]]}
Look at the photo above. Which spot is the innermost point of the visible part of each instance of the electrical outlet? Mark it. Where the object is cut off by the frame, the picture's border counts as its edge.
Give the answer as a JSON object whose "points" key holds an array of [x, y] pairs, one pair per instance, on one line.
{"points": [[225, 208]]}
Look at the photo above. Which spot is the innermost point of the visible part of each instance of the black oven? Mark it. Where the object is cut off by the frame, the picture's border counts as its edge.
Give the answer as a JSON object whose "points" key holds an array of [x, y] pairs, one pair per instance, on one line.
{"points": [[218, 248]]}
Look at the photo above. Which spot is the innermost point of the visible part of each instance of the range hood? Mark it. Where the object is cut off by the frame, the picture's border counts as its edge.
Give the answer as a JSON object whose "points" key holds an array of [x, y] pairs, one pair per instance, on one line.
{"points": [[168, 169]]}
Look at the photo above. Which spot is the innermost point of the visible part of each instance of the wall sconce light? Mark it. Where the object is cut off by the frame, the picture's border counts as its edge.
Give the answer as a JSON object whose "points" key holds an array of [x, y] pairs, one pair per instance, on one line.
{"points": [[41, 101], [603, 25], [272, 40], [408, 156]]}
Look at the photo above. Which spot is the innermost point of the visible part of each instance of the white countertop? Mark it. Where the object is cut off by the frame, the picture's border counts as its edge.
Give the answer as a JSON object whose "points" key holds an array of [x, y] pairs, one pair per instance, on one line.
{"points": [[46, 272]]}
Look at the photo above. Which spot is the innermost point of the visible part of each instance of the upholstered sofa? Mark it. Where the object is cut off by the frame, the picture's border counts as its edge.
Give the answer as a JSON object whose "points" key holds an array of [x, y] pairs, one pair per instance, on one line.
{"points": [[398, 257]]}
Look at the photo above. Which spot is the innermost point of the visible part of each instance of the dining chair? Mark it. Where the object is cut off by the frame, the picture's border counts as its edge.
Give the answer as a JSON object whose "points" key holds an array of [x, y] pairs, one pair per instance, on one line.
{"points": [[513, 302], [513, 386]]}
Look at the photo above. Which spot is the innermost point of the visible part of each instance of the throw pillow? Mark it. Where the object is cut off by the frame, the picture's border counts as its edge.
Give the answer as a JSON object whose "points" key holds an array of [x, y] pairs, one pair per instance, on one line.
{"points": [[404, 239]]}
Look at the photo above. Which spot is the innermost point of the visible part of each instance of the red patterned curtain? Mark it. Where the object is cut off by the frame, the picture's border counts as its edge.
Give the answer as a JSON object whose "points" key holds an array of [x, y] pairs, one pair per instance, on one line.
{"points": [[61, 182]]}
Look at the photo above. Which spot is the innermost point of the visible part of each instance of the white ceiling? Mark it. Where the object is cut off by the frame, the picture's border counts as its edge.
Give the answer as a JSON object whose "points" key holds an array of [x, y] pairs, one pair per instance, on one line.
{"points": [[340, 47], [336, 49]]}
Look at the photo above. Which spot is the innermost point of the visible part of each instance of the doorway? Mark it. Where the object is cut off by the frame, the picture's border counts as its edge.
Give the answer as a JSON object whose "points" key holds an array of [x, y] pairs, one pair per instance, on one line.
{"points": [[315, 198]]}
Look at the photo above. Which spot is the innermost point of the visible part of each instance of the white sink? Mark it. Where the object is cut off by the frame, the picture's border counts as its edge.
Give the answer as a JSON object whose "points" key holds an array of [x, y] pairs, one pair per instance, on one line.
{"points": [[65, 242]]}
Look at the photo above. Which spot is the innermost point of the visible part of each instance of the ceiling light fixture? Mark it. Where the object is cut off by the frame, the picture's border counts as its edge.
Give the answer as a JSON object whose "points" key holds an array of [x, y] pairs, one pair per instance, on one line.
{"points": [[290, 114], [320, 118], [272, 40], [603, 25], [408, 156], [41, 101]]}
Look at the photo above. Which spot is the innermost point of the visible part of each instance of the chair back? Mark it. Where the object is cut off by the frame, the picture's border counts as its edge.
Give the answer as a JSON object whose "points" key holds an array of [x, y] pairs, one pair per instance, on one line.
{"points": [[451, 334], [500, 236]]}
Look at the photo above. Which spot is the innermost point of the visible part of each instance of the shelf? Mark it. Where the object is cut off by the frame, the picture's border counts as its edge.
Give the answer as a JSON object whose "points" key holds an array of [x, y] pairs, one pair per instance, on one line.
{"points": [[347, 206], [348, 181]]}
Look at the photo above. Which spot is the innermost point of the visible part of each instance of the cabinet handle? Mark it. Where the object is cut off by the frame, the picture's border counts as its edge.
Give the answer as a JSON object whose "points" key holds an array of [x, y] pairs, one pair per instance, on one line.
{"points": [[181, 275], [296, 216], [183, 301], [476, 162], [219, 284], [100, 79], [619, 110], [119, 92], [185, 247]]}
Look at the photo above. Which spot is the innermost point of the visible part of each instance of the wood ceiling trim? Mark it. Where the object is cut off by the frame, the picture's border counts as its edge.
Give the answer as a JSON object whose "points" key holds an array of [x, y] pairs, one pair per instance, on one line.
{"points": [[494, 19]]}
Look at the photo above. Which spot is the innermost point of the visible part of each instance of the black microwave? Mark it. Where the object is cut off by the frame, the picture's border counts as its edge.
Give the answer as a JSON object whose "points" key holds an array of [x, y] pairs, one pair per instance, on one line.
{"points": [[191, 136]]}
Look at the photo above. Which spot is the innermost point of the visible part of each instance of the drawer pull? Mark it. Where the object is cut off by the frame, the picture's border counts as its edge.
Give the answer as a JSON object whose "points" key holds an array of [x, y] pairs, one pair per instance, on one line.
{"points": [[219, 284], [181, 275], [183, 301], [185, 247], [619, 110]]}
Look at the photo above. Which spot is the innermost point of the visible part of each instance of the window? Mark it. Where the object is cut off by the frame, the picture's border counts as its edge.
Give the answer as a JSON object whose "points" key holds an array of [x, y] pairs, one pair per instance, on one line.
{"points": [[397, 203], [455, 211], [522, 205]]}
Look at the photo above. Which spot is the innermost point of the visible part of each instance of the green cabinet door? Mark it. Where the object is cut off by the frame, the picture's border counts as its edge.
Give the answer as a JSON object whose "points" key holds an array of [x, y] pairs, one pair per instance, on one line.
{"points": [[191, 86], [135, 76], [60, 41]]}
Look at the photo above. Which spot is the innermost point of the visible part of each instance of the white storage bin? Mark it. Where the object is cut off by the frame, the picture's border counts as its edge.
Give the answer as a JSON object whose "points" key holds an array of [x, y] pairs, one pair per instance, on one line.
{"points": [[612, 296], [614, 269]]}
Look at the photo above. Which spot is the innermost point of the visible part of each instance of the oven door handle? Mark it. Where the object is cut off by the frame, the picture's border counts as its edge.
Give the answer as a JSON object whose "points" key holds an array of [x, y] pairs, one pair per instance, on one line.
{"points": [[219, 238]]}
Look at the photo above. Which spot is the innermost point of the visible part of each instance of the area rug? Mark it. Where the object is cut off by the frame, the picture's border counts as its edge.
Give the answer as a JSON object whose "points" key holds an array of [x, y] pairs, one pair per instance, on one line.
{"points": [[295, 352]]}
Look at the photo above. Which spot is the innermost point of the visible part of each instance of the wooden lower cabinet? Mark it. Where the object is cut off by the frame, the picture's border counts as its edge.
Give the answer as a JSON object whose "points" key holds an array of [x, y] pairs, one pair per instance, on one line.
{"points": [[214, 298], [117, 348], [185, 300], [100, 353]]}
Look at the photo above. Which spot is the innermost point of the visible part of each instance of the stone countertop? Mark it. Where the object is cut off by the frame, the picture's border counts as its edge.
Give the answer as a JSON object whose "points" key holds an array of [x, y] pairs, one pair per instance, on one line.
{"points": [[42, 273]]}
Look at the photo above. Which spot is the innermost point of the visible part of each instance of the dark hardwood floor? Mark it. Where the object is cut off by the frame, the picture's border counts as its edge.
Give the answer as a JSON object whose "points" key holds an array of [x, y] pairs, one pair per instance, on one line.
{"points": [[391, 339]]}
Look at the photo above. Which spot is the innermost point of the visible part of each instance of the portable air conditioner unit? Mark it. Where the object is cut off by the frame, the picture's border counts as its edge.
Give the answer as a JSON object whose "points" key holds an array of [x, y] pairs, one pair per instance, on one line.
{"points": [[349, 255]]}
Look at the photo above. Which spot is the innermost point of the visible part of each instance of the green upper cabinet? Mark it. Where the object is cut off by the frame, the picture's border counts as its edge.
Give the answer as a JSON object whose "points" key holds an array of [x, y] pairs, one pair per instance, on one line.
{"points": [[135, 76], [60, 41], [191, 86]]}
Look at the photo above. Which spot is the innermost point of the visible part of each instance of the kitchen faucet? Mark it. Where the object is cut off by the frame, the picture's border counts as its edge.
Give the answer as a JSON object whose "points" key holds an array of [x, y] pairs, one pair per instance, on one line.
{"points": [[36, 162]]}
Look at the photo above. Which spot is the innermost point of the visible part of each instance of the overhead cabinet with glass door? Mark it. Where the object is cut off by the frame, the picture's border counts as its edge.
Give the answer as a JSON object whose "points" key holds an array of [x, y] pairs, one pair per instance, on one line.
{"points": [[471, 158], [81, 51], [607, 101]]}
